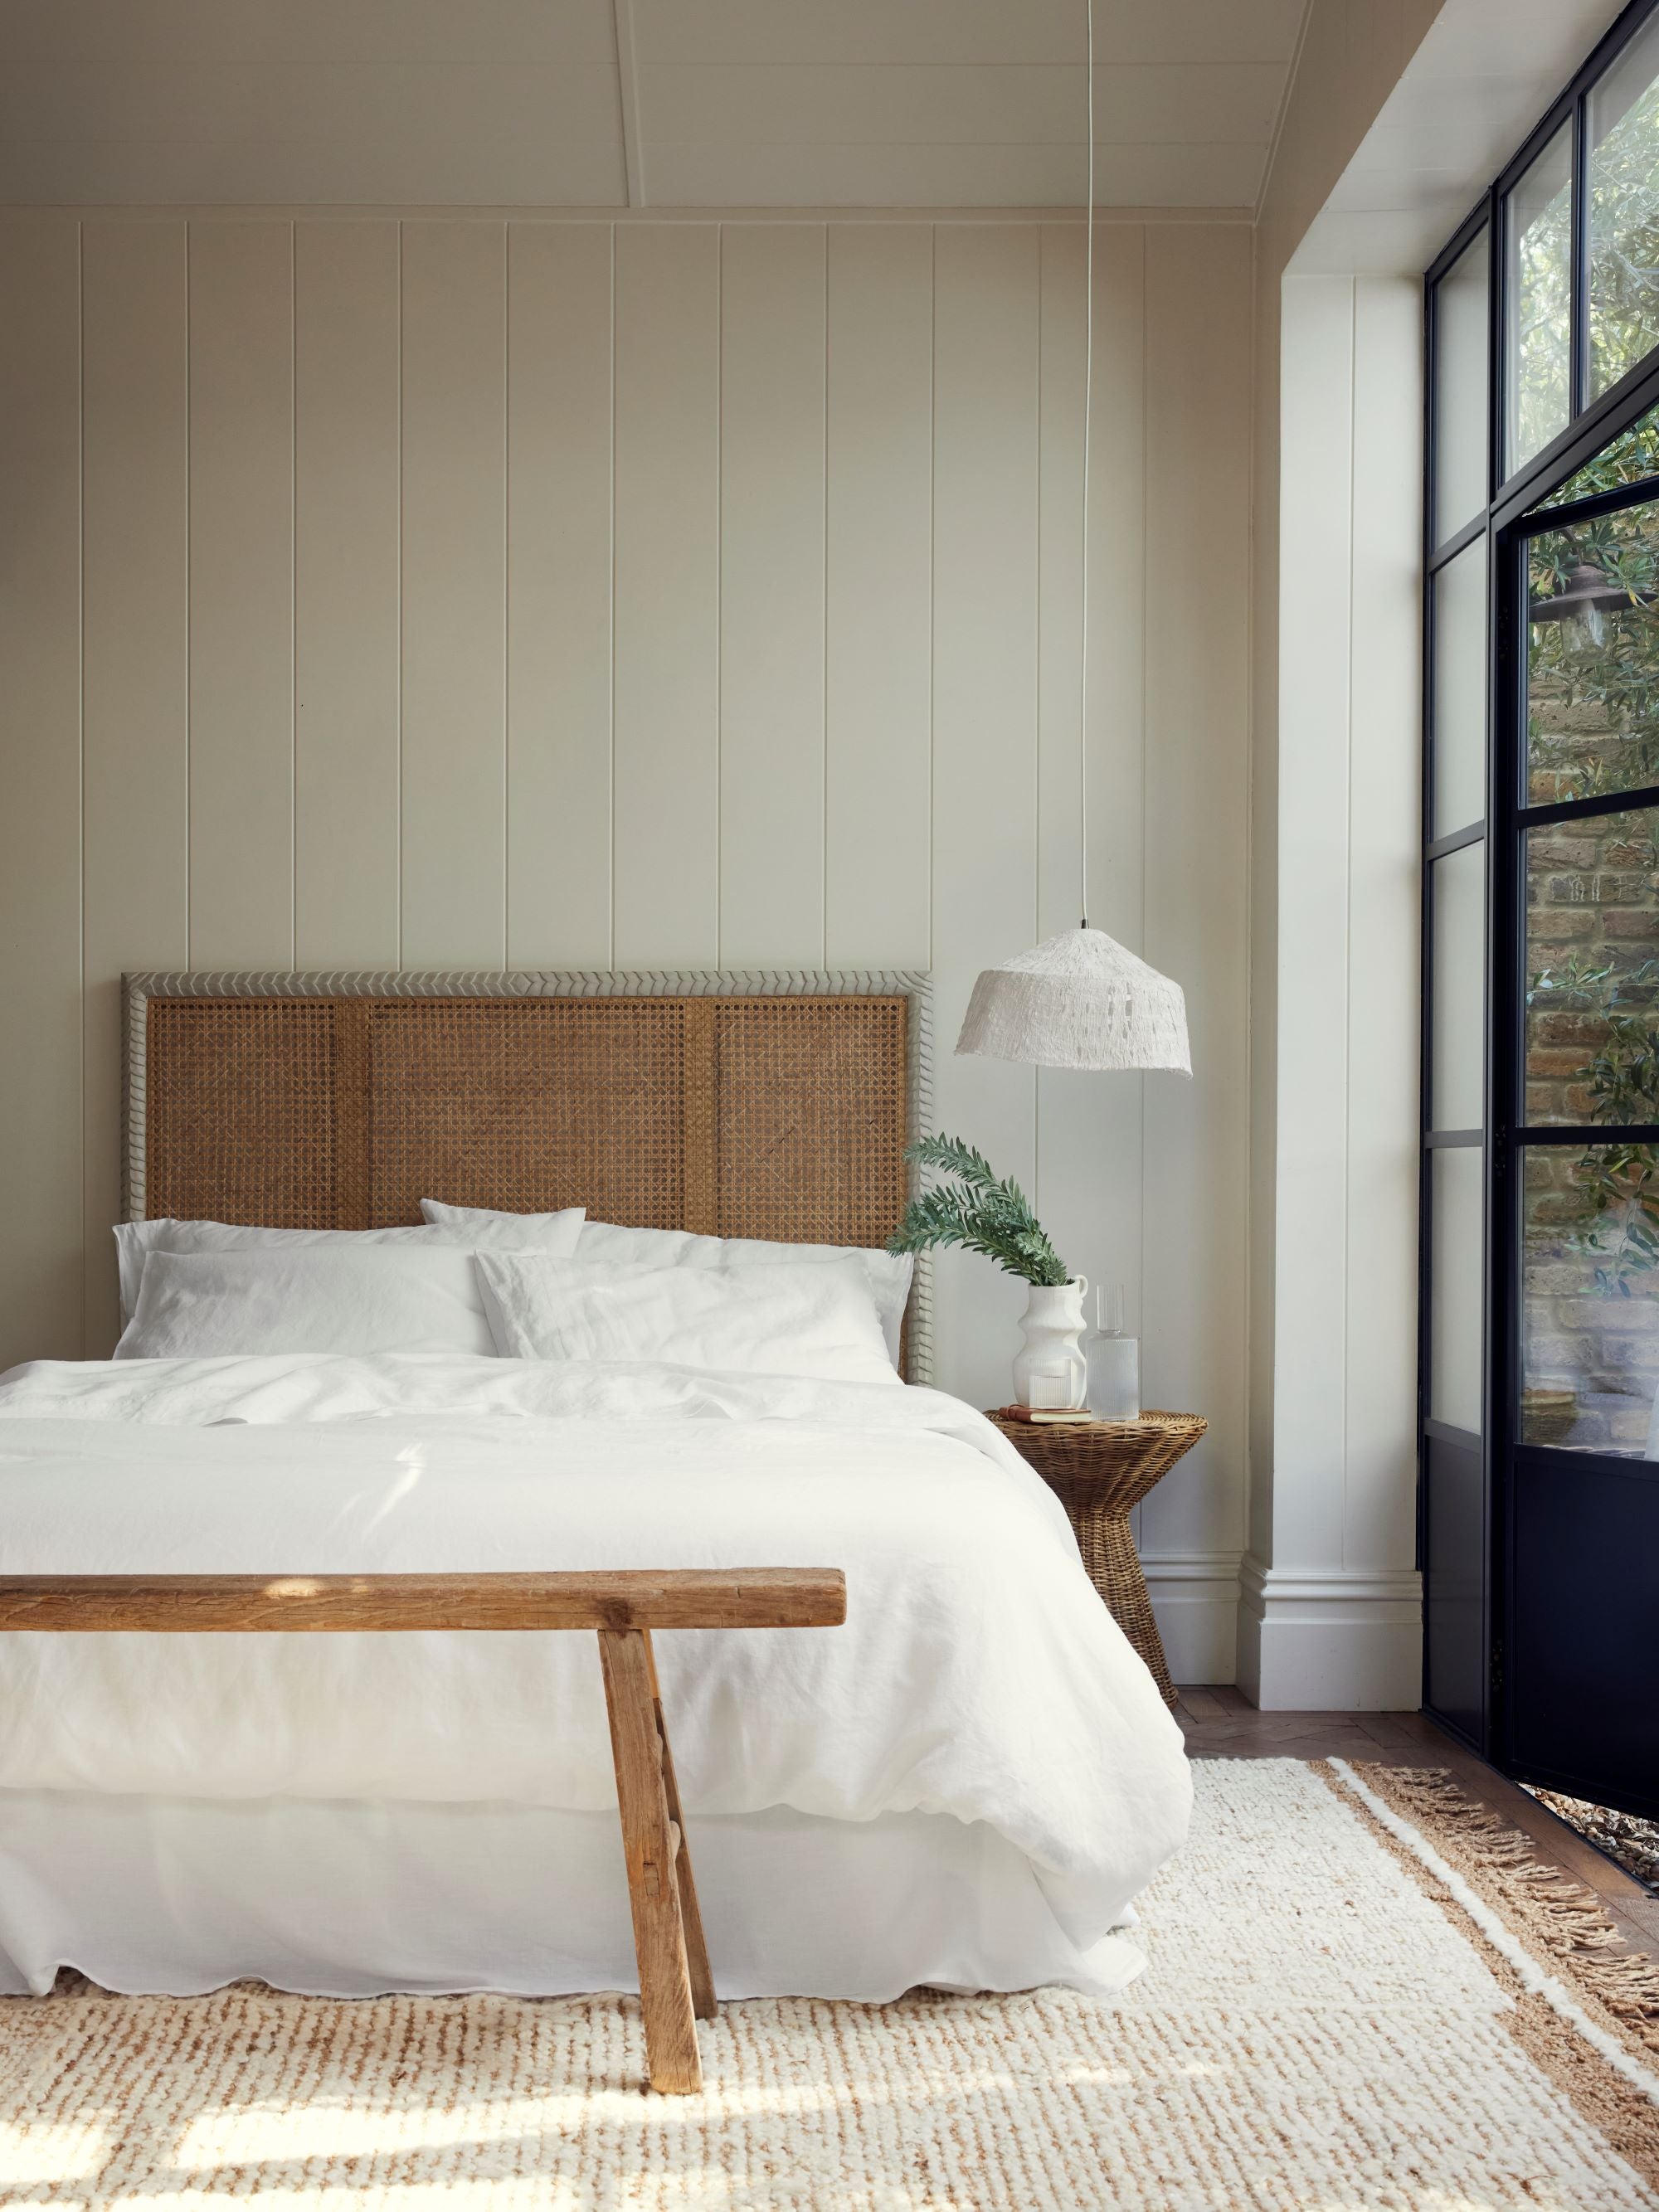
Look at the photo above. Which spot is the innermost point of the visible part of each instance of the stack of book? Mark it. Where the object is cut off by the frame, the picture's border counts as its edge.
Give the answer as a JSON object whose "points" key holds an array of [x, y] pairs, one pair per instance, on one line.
{"points": [[1072, 1417]]}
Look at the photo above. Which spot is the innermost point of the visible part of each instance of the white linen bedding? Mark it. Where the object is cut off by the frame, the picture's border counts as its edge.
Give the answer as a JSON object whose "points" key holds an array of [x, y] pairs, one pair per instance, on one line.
{"points": [[348, 1900], [978, 1676], [815, 1320]]}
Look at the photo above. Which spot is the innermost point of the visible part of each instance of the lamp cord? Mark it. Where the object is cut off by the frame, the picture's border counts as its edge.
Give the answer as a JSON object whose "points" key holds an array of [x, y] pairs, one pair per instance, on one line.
{"points": [[1088, 416]]}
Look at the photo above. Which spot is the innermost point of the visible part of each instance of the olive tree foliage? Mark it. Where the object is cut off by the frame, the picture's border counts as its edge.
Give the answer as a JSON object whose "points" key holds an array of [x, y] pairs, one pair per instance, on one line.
{"points": [[1623, 232], [1593, 680]]}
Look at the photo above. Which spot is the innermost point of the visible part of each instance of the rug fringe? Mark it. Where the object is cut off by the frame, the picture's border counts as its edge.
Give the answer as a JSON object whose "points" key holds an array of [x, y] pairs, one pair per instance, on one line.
{"points": [[1571, 1917]]}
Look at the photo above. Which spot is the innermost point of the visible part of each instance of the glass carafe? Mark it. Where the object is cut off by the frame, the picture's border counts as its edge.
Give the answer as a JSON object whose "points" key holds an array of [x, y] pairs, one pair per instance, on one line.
{"points": [[1113, 1360]]}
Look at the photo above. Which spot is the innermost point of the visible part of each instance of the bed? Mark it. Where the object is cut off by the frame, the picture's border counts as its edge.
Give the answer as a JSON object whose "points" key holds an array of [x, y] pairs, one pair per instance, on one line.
{"points": [[965, 1786]]}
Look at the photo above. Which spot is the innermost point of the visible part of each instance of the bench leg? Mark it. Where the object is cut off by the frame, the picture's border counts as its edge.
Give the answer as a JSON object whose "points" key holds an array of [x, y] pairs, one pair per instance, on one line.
{"points": [[697, 1949], [651, 1844]]}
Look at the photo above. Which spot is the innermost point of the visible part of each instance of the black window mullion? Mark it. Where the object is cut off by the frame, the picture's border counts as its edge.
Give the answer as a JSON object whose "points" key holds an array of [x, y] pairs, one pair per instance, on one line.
{"points": [[1595, 504], [1497, 362], [1587, 810], [1587, 1133], [1578, 327], [1506, 749], [1442, 557], [1455, 840]]}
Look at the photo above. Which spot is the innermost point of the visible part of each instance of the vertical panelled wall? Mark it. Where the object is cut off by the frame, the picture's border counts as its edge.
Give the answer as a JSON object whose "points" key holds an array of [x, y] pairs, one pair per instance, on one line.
{"points": [[458, 593], [1331, 1614]]}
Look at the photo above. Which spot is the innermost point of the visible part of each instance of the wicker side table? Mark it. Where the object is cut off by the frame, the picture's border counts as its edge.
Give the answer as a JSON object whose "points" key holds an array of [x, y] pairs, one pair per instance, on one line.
{"points": [[1099, 1473]]}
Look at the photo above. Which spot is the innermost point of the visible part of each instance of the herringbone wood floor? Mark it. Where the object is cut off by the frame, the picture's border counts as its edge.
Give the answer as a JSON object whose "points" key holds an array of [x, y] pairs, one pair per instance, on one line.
{"points": [[1220, 1724]]}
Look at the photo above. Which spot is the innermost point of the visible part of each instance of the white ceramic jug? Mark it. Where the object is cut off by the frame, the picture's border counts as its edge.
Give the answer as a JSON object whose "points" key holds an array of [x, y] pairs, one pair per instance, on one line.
{"points": [[1049, 1369]]}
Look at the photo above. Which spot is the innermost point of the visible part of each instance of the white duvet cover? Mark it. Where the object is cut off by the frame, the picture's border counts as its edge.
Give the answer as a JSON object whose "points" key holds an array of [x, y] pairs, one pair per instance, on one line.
{"points": [[978, 1675]]}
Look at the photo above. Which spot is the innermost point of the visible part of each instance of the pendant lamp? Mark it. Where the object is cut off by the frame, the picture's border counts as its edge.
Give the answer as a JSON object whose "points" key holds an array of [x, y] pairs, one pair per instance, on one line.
{"points": [[1081, 999]]}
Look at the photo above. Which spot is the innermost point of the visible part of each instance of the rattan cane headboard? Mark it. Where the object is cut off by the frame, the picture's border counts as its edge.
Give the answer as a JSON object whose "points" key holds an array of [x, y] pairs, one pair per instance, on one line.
{"points": [[738, 1105]]}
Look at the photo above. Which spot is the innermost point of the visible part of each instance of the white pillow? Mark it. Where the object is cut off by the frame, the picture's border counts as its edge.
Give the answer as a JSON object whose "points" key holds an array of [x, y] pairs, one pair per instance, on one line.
{"points": [[888, 1272], [209, 1305], [509, 1232], [813, 1320]]}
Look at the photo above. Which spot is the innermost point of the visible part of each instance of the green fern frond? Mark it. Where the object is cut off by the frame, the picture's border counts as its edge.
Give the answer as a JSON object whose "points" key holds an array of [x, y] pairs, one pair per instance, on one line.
{"points": [[977, 1212], [952, 1156]]}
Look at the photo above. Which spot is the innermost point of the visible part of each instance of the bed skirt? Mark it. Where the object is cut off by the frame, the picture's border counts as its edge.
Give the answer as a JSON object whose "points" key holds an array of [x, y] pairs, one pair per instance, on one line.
{"points": [[180, 1896]]}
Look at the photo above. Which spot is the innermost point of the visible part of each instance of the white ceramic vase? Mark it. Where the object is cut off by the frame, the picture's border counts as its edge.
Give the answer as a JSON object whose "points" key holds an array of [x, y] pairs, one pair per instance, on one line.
{"points": [[1049, 1369]]}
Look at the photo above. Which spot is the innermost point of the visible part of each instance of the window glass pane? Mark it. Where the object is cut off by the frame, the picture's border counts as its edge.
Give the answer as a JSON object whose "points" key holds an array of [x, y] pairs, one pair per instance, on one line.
{"points": [[1593, 657], [1593, 970], [1631, 458], [1458, 909], [1459, 389], [1590, 1324], [1454, 1203], [1624, 213], [1540, 298], [1460, 691]]}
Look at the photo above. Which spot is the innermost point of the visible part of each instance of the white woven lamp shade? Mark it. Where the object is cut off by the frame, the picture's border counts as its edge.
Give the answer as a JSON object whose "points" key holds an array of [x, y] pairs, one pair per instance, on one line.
{"points": [[1079, 999]]}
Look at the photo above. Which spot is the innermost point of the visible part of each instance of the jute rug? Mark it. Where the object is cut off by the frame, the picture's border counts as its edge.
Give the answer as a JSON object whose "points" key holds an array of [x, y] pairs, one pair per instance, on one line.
{"points": [[1362, 1992]]}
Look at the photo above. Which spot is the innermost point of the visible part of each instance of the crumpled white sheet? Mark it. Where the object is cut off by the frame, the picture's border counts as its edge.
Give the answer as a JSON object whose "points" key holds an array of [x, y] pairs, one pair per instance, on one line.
{"points": [[978, 1673]]}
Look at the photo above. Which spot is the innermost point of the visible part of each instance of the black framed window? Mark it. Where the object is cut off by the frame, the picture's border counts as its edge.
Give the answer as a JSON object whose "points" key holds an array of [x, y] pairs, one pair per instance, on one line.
{"points": [[1539, 1336]]}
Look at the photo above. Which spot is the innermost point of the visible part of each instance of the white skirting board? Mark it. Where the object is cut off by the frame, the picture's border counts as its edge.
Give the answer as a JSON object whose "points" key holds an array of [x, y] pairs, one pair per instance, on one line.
{"points": [[1330, 1642], [1195, 1602]]}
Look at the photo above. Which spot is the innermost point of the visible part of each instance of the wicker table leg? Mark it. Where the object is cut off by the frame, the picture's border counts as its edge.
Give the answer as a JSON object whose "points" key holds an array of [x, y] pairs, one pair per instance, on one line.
{"points": [[1109, 1553]]}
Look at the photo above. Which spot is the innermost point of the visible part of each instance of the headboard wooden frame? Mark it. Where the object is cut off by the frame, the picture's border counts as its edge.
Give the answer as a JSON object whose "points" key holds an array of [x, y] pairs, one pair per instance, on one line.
{"points": [[733, 1103]]}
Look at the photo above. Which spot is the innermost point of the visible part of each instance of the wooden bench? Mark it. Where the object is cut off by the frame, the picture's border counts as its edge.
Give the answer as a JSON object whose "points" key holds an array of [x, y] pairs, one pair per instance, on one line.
{"points": [[676, 1987]]}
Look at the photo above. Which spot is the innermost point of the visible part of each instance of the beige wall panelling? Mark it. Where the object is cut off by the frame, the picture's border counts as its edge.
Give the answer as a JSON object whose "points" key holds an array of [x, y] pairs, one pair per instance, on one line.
{"points": [[879, 531], [667, 585], [1089, 1126], [1385, 822], [1198, 291], [454, 594], [135, 716], [558, 603], [986, 309], [943, 591], [346, 346], [40, 1287], [1264, 901], [1061, 896], [241, 594], [772, 597]]}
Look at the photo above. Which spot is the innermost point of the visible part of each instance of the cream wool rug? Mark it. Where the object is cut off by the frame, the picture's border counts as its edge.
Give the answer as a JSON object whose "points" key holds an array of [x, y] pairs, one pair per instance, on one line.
{"points": [[1359, 1994]]}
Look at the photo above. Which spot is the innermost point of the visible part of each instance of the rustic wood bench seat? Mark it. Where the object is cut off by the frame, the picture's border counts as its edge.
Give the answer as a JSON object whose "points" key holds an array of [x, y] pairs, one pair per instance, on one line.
{"points": [[676, 1986]]}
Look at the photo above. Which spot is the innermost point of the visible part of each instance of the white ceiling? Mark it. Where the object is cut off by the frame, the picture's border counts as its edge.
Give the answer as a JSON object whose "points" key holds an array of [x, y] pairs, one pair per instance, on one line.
{"points": [[1485, 73], [613, 103]]}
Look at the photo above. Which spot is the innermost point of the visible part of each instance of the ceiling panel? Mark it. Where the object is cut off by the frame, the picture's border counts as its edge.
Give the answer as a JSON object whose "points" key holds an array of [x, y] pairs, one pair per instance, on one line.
{"points": [[309, 30], [246, 132], [951, 176], [772, 103], [382, 101], [983, 32], [775, 105]]}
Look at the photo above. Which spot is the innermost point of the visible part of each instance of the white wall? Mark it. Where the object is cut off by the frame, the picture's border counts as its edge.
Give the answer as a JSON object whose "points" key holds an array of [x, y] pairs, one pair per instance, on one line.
{"points": [[1330, 1615], [455, 593]]}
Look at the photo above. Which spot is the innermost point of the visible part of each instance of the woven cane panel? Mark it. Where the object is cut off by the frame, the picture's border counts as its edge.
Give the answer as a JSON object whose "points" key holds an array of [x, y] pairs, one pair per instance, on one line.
{"points": [[528, 1104], [776, 1117], [242, 1111], [810, 1114]]}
